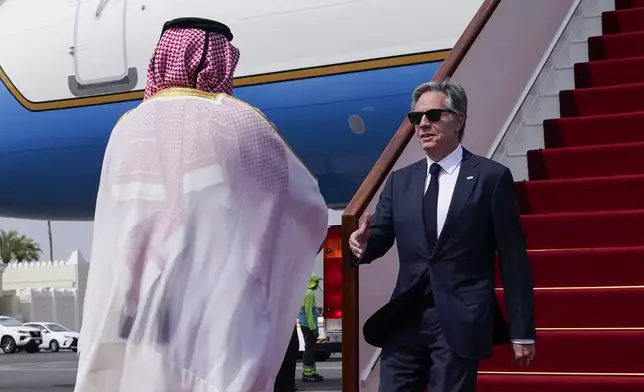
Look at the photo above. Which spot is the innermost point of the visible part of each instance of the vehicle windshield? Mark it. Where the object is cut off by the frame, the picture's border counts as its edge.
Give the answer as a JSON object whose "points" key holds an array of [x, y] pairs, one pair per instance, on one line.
{"points": [[56, 328], [10, 322]]}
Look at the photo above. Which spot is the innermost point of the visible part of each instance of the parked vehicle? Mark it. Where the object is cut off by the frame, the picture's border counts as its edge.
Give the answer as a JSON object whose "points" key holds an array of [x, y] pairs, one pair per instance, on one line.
{"points": [[15, 336], [56, 337]]}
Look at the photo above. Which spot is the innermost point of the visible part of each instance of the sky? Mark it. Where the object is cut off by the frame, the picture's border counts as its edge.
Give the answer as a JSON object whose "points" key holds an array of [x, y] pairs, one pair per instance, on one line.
{"points": [[66, 236]]}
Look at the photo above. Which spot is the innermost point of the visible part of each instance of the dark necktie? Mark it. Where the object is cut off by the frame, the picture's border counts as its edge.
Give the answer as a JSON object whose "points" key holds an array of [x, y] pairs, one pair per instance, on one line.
{"points": [[430, 207]]}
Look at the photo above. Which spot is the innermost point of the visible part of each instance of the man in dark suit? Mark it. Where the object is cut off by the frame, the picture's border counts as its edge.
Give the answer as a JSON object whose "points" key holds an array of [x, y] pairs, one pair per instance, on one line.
{"points": [[449, 214]]}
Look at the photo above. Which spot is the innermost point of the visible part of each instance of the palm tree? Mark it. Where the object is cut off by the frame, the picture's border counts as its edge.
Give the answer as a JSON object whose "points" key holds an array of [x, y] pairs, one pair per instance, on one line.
{"points": [[51, 242], [18, 246]]}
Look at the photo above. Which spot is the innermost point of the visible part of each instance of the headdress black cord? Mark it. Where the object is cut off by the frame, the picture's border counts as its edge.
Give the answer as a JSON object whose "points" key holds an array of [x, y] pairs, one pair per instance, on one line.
{"points": [[203, 59]]}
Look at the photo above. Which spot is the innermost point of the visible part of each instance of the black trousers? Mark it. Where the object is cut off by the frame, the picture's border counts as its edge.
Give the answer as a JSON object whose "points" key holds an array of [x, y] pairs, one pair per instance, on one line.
{"points": [[285, 380], [417, 356], [310, 342]]}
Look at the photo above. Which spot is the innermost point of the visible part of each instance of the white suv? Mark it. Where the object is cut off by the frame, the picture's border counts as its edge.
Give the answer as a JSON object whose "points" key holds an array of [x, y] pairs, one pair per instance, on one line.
{"points": [[14, 336], [55, 337]]}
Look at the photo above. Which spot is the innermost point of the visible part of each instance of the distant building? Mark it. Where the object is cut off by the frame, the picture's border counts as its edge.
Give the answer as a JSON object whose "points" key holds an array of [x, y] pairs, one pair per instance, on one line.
{"points": [[45, 290]]}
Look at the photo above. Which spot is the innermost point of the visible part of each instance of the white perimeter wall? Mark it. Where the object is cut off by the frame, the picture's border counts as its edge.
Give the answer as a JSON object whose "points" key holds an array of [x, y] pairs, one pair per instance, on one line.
{"points": [[45, 291]]}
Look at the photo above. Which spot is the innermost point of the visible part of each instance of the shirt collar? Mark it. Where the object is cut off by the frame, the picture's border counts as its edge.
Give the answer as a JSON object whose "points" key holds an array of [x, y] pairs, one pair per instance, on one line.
{"points": [[450, 162]]}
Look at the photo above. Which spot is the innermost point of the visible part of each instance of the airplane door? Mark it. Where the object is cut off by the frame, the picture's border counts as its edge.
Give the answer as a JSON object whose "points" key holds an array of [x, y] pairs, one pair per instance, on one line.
{"points": [[99, 42]]}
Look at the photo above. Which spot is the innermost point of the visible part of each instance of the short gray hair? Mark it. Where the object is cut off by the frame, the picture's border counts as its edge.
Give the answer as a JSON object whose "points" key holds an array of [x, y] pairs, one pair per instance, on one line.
{"points": [[456, 99]]}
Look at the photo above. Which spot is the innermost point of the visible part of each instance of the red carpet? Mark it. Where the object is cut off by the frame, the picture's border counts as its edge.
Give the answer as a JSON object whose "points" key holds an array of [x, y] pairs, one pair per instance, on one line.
{"points": [[616, 351], [615, 304], [572, 230], [592, 261], [609, 72], [615, 46], [582, 194], [567, 383], [622, 21], [593, 130], [583, 214], [589, 161], [624, 4], [602, 100]]}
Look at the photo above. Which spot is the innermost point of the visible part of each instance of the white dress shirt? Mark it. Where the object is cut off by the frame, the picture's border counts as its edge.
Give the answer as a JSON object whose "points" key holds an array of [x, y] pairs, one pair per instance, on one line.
{"points": [[450, 166]]}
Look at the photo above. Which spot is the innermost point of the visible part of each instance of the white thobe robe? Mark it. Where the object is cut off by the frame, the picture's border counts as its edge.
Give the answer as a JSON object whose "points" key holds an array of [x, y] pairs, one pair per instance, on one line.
{"points": [[205, 234]]}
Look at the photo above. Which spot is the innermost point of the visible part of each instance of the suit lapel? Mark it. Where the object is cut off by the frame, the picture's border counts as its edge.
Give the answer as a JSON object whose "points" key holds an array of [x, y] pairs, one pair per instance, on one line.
{"points": [[467, 178], [416, 193]]}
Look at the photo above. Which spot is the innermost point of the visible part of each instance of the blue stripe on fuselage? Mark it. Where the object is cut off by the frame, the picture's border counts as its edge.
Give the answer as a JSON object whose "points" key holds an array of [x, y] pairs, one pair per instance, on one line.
{"points": [[50, 161]]}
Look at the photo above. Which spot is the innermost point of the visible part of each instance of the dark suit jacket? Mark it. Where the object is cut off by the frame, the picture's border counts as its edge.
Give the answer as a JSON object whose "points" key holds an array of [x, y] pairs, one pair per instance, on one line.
{"points": [[458, 277]]}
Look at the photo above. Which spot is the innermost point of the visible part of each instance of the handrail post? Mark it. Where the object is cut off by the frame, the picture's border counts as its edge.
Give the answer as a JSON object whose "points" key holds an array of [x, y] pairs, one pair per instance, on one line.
{"points": [[350, 310]]}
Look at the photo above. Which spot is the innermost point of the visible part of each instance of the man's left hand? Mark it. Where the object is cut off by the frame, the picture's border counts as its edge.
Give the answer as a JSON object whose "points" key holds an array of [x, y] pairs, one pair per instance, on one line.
{"points": [[523, 354]]}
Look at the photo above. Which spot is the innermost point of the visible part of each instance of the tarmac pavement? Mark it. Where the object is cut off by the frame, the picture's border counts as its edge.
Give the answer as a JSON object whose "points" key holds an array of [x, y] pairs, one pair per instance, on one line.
{"points": [[56, 372]]}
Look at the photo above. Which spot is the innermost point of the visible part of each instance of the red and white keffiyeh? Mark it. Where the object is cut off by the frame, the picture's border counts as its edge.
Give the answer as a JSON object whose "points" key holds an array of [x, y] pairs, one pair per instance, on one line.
{"points": [[183, 58]]}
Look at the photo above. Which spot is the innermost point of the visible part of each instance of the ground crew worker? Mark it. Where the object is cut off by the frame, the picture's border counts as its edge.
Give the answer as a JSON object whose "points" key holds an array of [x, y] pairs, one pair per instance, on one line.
{"points": [[308, 320]]}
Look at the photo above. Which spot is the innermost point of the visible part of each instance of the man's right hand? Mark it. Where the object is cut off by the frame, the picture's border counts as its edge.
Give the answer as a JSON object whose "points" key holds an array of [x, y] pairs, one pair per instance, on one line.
{"points": [[358, 239]]}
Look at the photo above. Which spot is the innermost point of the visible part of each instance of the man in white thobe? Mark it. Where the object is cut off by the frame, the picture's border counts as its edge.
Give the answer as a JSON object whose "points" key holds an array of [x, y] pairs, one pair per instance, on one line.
{"points": [[205, 234]]}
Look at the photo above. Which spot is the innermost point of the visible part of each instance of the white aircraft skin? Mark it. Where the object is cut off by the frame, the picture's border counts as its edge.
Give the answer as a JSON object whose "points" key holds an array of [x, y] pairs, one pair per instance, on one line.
{"points": [[334, 75]]}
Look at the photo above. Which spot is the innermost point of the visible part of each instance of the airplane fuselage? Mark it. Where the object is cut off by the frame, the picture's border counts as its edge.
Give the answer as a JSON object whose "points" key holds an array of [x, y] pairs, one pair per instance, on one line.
{"points": [[335, 76]]}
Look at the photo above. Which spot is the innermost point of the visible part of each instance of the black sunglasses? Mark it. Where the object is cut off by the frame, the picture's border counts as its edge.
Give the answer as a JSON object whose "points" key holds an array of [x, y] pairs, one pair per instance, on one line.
{"points": [[432, 115]]}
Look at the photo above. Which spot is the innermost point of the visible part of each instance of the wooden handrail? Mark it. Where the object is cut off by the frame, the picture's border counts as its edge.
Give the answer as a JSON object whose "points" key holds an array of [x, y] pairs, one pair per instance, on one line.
{"points": [[367, 191]]}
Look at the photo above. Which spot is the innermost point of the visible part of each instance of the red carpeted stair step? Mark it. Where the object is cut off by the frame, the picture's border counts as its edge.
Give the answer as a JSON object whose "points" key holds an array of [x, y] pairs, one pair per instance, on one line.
{"points": [[584, 230], [609, 72], [616, 46], [583, 219], [581, 194], [594, 130], [602, 100], [558, 383], [623, 21], [590, 161], [624, 4], [587, 308], [578, 352], [586, 267]]}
